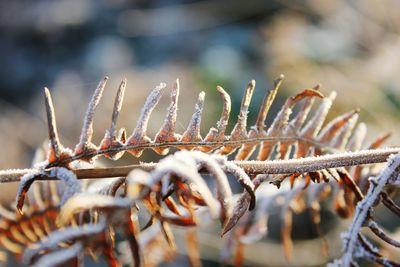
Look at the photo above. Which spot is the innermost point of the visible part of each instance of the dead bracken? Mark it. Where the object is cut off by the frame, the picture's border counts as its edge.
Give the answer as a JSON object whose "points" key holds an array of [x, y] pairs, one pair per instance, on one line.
{"points": [[67, 220]]}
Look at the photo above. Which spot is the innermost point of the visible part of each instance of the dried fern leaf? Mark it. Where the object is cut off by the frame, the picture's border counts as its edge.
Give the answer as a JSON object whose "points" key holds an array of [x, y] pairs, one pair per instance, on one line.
{"points": [[173, 190], [138, 136], [111, 140], [85, 144]]}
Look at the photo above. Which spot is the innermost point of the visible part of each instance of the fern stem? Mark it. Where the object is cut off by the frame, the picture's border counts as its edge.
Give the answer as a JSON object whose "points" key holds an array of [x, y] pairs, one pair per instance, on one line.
{"points": [[301, 165], [210, 144]]}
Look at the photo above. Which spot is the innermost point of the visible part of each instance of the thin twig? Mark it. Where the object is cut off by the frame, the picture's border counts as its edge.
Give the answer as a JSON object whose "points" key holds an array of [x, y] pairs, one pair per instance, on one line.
{"points": [[350, 238]]}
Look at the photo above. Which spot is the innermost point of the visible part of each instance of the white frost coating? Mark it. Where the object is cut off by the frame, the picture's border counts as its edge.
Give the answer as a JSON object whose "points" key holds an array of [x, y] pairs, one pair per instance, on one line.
{"points": [[223, 121], [80, 164], [87, 128], [166, 186], [170, 119], [85, 201], [102, 186], [309, 164], [239, 174], [184, 166], [193, 130], [209, 163], [244, 108], [54, 141], [350, 238], [138, 176], [16, 171], [148, 107], [239, 130], [26, 179], [280, 120], [73, 185], [135, 178], [60, 256], [370, 246], [167, 131], [53, 240], [219, 132], [117, 108], [188, 169]]}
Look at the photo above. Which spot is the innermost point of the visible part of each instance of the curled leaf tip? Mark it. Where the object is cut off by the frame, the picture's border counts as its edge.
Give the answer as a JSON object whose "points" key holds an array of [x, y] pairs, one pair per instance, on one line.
{"points": [[252, 204]]}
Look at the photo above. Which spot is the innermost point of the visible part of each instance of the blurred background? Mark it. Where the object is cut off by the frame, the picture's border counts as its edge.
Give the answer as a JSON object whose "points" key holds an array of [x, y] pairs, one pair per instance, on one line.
{"points": [[352, 47]]}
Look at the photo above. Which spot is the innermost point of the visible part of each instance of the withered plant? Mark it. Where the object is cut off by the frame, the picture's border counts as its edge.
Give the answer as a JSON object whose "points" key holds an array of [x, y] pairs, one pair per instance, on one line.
{"points": [[134, 208]]}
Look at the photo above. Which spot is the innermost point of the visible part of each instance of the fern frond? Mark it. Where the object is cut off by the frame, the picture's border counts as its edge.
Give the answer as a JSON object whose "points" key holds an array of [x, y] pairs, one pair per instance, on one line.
{"points": [[282, 132], [312, 159]]}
